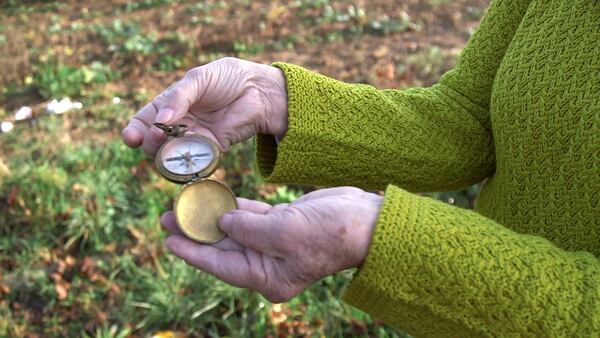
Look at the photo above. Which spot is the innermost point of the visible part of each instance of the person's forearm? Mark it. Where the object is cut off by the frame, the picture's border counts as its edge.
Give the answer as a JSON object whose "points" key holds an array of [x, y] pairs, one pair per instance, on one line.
{"points": [[437, 270], [436, 138], [343, 134]]}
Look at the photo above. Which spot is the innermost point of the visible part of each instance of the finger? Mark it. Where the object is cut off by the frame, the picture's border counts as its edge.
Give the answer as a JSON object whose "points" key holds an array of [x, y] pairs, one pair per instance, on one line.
{"points": [[135, 132], [132, 137], [204, 131], [229, 266], [175, 102], [140, 131], [277, 208], [139, 125], [328, 192], [169, 223], [254, 231], [151, 146], [147, 114], [256, 207], [228, 244]]}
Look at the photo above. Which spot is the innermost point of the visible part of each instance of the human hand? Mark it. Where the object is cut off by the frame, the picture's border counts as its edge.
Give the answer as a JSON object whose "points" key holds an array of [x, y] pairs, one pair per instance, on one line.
{"points": [[228, 100], [280, 250]]}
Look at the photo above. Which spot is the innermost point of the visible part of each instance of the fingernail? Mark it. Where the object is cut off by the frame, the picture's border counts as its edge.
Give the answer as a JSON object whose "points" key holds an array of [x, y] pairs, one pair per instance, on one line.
{"points": [[164, 115], [225, 222]]}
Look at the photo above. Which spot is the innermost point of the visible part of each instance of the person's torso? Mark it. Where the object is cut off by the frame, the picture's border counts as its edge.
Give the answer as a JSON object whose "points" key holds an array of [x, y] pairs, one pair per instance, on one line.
{"points": [[545, 115]]}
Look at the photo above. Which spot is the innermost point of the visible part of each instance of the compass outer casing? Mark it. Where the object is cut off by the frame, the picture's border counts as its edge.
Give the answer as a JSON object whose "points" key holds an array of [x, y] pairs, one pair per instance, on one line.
{"points": [[181, 179], [198, 207]]}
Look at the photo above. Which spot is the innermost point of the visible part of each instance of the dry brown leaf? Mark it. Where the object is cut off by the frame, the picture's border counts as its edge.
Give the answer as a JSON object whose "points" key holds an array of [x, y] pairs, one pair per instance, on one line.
{"points": [[70, 260], [87, 264], [110, 248], [114, 289], [4, 289], [381, 51], [277, 314], [61, 290]]}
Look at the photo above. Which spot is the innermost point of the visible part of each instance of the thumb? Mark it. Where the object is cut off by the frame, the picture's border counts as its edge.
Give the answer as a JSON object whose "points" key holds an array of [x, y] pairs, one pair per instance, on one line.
{"points": [[175, 101], [255, 231]]}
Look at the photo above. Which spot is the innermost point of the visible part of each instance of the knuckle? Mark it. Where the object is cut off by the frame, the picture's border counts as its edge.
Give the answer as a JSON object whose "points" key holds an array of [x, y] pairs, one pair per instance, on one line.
{"points": [[230, 61], [236, 226], [239, 227], [157, 102], [277, 208], [351, 190], [173, 94], [165, 93], [193, 73]]}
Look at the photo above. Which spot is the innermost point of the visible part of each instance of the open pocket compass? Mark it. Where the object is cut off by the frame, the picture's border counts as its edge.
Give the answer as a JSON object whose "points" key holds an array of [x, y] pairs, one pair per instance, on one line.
{"points": [[190, 159]]}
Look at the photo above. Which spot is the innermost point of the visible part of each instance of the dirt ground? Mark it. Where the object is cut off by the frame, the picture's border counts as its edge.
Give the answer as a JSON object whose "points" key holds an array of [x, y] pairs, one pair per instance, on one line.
{"points": [[424, 39]]}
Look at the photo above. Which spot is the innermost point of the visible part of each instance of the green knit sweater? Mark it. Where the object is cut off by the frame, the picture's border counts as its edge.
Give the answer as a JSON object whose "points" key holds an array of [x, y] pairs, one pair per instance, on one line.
{"points": [[521, 110]]}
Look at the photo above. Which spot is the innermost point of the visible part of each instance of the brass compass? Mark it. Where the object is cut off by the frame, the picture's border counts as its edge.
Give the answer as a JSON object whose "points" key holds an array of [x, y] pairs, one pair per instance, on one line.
{"points": [[189, 159]]}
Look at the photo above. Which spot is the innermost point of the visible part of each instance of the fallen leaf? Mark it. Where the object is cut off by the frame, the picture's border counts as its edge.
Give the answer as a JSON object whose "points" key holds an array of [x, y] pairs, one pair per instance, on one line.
{"points": [[4, 289], [70, 260], [110, 248], [12, 196], [114, 289], [381, 51], [61, 291], [87, 264], [277, 314]]}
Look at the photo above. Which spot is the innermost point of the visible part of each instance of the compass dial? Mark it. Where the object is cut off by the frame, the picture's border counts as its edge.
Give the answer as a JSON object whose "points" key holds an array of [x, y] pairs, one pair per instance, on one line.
{"points": [[187, 155]]}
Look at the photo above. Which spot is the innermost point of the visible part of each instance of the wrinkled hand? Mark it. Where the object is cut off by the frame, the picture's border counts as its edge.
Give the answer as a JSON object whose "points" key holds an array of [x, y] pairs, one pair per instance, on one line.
{"points": [[280, 250], [228, 100]]}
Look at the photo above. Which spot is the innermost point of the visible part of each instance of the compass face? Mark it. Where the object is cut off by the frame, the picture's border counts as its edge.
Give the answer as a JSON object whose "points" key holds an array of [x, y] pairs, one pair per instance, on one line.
{"points": [[187, 155]]}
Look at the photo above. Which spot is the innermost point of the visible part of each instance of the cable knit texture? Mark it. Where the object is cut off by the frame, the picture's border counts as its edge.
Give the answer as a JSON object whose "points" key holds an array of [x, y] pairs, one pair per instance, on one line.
{"points": [[522, 110]]}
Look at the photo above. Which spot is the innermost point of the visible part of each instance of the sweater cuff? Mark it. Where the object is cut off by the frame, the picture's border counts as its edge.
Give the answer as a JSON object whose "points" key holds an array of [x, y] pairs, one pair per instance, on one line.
{"points": [[424, 264], [266, 154], [395, 282], [369, 289], [311, 151]]}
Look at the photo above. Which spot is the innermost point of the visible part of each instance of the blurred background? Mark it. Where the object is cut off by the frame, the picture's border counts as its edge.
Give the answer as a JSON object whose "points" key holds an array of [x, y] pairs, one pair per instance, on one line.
{"points": [[81, 249]]}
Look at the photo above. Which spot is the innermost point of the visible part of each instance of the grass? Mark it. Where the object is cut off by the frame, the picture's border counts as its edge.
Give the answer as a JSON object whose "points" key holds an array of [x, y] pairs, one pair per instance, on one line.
{"points": [[81, 236], [81, 249], [55, 80]]}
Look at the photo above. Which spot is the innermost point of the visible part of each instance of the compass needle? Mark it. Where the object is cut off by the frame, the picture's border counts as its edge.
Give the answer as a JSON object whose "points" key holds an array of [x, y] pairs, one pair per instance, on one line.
{"points": [[174, 159]]}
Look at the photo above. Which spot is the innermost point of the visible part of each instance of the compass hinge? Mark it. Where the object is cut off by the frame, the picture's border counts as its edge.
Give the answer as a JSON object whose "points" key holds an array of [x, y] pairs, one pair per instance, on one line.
{"points": [[175, 130]]}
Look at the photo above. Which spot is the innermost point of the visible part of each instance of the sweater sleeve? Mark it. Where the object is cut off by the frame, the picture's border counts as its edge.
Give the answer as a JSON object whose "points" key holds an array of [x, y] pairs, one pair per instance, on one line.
{"points": [[423, 139], [437, 270]]}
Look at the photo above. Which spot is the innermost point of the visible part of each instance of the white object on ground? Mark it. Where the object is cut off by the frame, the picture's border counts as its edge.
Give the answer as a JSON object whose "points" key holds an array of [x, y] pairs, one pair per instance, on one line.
{"points": [[23, 113], [116, 100], [6, 127], [64, 105]]}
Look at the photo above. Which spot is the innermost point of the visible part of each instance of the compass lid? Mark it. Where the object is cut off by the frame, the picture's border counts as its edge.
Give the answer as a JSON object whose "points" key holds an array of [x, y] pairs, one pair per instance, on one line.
{"points": [[199, 206]]}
